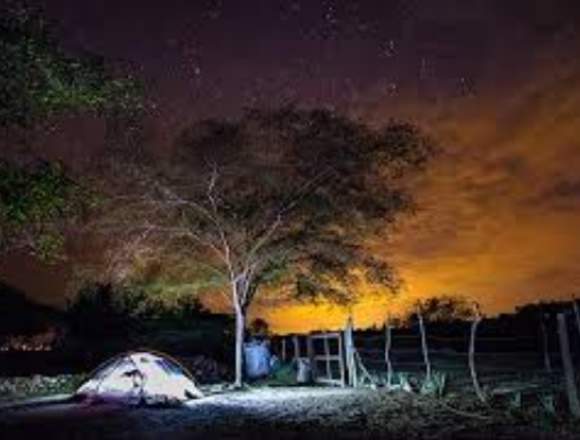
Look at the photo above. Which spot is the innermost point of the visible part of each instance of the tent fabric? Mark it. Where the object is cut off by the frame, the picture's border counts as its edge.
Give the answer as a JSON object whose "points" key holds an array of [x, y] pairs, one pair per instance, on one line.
{"points": [[143, 377]]}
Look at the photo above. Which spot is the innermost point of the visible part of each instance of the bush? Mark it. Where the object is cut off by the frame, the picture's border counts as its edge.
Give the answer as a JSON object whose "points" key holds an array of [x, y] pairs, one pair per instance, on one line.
{"points": [[106, 319]]}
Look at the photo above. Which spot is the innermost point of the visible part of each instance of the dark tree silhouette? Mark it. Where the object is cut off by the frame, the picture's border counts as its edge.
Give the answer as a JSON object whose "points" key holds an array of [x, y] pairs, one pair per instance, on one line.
{"points": [[443, 309], [259, 328]]}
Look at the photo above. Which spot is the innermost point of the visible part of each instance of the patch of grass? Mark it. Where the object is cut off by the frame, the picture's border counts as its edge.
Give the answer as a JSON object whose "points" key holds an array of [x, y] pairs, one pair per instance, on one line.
{"points": [[12, 388]]}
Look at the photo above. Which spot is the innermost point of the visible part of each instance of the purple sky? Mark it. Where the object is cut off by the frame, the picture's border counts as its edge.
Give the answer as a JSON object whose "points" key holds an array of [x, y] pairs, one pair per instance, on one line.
{"points": [[496, 81], [215, 56]]}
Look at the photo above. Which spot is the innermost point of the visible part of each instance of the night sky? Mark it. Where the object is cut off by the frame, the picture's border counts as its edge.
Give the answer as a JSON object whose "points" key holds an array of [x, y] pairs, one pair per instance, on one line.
{"points": [[495, 82]]}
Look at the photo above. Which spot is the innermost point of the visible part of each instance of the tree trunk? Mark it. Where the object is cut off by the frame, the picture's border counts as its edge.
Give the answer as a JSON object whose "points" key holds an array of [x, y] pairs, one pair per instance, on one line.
{"points": [[241, 297], [240, 334]]}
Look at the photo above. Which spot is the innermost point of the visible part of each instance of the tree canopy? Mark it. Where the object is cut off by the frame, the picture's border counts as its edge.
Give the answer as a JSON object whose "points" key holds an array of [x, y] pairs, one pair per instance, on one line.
{"points": [[294, 193], [38, 78], [37, 203]]}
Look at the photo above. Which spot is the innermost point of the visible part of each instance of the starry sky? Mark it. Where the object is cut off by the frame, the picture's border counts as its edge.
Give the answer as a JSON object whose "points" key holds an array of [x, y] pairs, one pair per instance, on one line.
{"points": [[495, 82]]}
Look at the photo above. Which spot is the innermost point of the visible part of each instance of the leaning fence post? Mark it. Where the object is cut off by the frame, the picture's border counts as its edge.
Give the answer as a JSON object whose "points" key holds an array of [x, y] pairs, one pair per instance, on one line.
{"points": [[424, 346], [388, 344], [571, 389], [473, 334]]}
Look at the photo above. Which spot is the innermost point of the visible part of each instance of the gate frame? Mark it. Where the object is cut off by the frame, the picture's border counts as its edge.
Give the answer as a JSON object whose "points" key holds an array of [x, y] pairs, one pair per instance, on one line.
{"points": [[328, 358]]}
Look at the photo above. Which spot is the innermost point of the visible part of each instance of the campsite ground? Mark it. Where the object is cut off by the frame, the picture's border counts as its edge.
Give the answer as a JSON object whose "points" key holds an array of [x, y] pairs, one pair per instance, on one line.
{"points": [[289, 412]]}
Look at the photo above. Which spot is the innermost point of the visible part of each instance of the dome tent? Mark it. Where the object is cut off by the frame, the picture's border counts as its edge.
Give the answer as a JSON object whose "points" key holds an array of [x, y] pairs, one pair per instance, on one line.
{"points": [[140, 377]]}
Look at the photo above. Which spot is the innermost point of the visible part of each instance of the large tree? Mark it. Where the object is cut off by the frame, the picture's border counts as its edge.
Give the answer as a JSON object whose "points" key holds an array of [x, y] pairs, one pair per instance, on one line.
{"points": [[286, 199]]}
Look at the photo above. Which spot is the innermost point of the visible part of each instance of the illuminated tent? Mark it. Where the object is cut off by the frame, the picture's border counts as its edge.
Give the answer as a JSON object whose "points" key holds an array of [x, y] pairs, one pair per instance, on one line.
{"points": [[136, 378]]}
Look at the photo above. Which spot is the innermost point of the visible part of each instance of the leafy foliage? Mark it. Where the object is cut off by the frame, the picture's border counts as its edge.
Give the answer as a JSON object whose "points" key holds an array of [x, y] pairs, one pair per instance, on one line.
{"points": [[294, 194], [324, 182], [37, 202], [38, 79]]}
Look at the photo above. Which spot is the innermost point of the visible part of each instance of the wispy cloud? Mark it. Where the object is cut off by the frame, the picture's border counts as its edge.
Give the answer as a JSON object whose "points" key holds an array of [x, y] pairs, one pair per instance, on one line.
{"points": [[499, 209]]}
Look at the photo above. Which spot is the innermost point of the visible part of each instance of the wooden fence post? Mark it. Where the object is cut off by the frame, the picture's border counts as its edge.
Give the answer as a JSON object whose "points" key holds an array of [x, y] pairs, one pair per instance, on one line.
{"points": [[349, 351], [545, 343], [424, 346], [571, 389], [347, 354], [296, 347], [310, 354], [283, 349], [576, 313], [341, 361], [473, 334], [388, 344]]}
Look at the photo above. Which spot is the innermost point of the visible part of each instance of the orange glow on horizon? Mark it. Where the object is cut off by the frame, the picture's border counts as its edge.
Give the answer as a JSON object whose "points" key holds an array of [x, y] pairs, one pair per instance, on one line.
{"points": [[498, 211]]}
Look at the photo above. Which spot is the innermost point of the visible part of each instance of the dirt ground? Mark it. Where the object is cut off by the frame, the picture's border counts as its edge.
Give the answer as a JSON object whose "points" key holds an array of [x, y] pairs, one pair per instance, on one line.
{"points": [[282, 413]]}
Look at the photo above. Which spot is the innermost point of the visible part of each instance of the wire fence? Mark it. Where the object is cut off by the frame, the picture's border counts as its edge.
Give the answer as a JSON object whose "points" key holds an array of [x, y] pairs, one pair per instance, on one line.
{"points": [[495, 364]]}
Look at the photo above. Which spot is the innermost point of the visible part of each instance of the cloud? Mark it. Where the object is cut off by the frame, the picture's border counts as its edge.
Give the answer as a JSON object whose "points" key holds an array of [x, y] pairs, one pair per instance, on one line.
{"points": [[498, 211]]}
